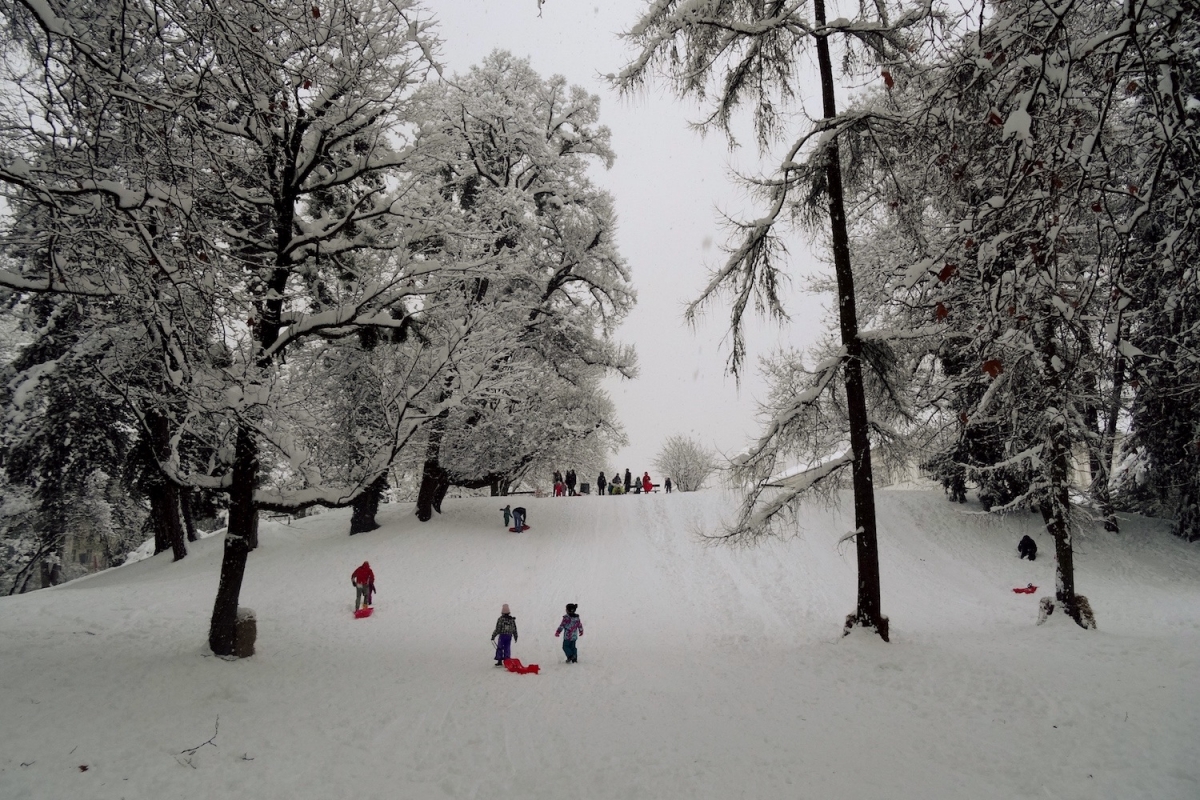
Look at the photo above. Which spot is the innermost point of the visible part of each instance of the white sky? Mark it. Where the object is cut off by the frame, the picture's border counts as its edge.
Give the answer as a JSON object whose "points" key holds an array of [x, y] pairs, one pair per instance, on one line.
{"points": [[668, 183]]}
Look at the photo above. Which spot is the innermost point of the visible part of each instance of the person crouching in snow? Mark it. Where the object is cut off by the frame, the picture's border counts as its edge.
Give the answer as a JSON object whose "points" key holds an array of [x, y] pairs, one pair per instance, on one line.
{"points": [[571, 629], [506, 631], [1027, 547], [363, 580]]}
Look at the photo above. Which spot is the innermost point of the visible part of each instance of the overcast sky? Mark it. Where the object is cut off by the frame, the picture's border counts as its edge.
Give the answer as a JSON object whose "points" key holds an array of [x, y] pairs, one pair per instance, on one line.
{"points": [[667, 183]]}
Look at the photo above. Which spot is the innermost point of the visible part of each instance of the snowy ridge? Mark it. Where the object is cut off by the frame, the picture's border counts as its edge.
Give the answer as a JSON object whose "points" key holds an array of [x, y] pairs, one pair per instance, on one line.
{"points": [[705, 671]]}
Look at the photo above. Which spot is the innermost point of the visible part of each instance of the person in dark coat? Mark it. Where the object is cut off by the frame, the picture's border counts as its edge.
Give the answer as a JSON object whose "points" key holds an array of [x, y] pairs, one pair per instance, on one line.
{"points": [[628, 481], [601, 483], [1027, 548], [667, 485], [571, 480], [519, 518], [506, 632]]}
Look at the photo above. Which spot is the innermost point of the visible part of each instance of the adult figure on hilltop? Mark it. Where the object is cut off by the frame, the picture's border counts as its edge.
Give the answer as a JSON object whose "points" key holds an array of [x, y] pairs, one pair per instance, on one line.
{"points": [[647, 484], [571, 480], [600, 484], [628, 480], [667, 485]]}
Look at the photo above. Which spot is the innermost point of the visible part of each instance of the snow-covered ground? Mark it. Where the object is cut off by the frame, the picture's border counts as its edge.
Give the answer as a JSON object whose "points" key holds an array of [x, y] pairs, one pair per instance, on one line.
{"points": [[705, 672]]}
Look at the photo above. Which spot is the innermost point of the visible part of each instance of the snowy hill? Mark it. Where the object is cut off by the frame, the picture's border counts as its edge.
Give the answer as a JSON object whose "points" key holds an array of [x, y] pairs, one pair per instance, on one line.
{"points": [[705, 672]]}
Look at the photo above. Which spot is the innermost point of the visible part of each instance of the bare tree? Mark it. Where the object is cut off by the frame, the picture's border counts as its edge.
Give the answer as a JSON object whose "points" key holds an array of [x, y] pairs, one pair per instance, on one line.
{"points": [[744, 51], [686, 461]]}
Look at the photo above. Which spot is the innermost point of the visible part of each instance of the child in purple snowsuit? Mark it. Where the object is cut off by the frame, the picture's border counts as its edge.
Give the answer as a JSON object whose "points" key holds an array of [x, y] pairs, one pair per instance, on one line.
{"points": [[572, 629], [506, 630]]}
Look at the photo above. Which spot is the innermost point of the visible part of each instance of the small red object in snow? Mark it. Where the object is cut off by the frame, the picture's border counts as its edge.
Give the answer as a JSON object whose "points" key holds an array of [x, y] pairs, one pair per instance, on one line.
{"points": [[363, 613], [515, 665], [523, 528], [1030, 589]]}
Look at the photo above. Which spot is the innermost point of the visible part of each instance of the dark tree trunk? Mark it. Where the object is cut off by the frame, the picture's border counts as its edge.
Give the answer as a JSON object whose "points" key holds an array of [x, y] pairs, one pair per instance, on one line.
{"points": [[168, 525], [433, 477], [1056, 515], [868, 614], [366, 505], [241, 537], [164, 494], [439, 492], [1187, 494], [162, 540], [51, 574], [189, 515], [1108, 442]]}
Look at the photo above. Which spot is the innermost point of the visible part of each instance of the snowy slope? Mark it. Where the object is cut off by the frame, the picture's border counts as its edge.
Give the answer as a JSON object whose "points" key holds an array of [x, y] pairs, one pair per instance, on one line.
{"points": [[705, 672]]}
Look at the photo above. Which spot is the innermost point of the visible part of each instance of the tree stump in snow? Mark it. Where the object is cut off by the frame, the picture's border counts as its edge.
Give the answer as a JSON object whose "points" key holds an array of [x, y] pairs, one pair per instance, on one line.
{"points": [[245, 633]]}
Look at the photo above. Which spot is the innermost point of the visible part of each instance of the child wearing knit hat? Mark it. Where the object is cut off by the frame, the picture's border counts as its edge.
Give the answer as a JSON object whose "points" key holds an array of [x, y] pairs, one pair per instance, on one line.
{"points": [[571, 629], [506, 632]]}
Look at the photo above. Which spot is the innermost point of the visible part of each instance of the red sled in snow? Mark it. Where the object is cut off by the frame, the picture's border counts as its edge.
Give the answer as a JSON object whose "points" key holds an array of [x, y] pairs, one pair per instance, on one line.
{"points": [[1030, 589], [363, 613], [523, 528], [515, 665]]}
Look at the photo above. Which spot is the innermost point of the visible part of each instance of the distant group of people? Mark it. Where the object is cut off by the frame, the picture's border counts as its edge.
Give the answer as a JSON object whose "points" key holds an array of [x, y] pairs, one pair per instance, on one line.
{"points": [[565, 485], [505, 633], [630, 485]]}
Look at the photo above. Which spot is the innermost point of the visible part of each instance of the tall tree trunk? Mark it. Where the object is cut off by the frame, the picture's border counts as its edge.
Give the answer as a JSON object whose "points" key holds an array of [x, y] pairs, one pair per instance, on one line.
{"points": [[1108, 443], [1056, 513], [869, 613], [168, 525], [439, 492], [162, 539], [432, 475], [189, 515], [366, 505], [241, 537], [166, 515]]}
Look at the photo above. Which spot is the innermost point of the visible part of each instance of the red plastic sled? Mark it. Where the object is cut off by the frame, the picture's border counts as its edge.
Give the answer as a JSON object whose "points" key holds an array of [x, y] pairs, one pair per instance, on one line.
{"points": [[515, 665], [523, 528], [363, 613], [1030, 589]]}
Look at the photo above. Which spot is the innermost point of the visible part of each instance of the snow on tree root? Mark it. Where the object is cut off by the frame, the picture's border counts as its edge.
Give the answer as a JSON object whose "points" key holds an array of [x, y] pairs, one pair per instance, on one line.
{"points": [[1087, 619]]}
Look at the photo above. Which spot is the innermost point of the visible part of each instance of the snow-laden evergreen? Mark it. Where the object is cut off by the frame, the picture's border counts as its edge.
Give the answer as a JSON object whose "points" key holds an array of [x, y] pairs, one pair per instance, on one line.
{"points": [[705, 672]]}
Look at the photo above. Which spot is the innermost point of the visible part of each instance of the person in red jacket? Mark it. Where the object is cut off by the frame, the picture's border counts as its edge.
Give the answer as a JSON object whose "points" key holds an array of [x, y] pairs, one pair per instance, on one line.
{"points": [[364, 585], [647, 486]]}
